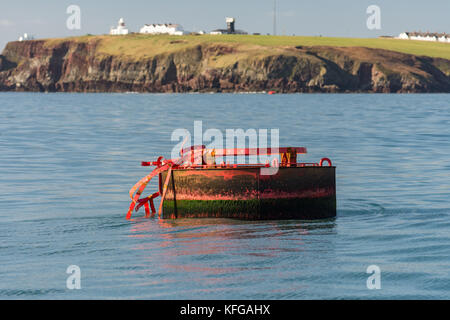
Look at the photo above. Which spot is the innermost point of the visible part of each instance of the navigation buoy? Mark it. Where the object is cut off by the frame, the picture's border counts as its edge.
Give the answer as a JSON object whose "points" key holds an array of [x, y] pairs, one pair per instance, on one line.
{"points": [[194, 187]]}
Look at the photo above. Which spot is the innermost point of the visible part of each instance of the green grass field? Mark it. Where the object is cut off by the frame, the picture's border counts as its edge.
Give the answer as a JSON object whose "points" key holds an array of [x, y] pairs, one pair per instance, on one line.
{"points": [[138, 45]]}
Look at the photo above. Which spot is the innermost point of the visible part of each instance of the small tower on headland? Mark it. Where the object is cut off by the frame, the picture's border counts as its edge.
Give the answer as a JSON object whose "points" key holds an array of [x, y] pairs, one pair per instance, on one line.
{"points": [[230, 25]]}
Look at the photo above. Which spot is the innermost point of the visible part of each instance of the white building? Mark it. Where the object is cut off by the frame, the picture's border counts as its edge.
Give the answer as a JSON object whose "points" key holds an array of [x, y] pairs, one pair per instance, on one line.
{"points": [[166, 28], [443, 37], [26, 37], [425, 36], [121, 29], [404, 36]]}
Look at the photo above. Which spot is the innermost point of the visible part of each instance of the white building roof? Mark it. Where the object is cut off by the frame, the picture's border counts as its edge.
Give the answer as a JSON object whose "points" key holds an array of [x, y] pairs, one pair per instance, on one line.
{"points": [[167, 25]]}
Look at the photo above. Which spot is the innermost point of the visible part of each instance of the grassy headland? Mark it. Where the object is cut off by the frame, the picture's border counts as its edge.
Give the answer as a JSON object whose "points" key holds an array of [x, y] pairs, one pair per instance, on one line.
{"points": [[141, 46], [225, 63]]}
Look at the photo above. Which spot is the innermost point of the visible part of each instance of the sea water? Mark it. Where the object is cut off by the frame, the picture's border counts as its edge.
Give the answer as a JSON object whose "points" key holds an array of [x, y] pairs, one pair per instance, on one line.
{"points": [[67, 162]]}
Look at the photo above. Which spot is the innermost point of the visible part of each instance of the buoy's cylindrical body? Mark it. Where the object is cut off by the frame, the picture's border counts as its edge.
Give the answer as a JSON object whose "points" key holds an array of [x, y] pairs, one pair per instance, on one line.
{"points": [[307, 192]]}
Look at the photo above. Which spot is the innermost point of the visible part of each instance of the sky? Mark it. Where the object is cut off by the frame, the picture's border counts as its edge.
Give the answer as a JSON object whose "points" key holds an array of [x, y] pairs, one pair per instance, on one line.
{"points": [[343, 18]]}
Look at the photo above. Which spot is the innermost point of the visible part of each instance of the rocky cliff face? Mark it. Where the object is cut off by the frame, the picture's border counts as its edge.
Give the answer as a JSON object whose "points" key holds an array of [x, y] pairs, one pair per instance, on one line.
{"points": [[74, 66]]}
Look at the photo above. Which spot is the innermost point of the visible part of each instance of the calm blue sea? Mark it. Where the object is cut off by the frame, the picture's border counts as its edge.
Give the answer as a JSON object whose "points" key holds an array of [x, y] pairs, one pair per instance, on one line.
{"points": [[67, 162]]}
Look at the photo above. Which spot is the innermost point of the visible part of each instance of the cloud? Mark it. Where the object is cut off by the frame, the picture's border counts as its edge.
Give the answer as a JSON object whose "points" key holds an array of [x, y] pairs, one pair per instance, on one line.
{"points": [[6, 23]]}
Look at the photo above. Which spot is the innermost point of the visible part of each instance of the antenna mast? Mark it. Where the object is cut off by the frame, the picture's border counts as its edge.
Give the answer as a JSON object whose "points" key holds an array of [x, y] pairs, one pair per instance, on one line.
{"points": [[274, 17]]}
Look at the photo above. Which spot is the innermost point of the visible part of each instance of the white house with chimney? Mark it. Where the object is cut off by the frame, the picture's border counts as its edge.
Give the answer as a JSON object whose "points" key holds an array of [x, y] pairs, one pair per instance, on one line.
{"points": [[444, 38], [166, 28], [121, 29], [425, 36]]}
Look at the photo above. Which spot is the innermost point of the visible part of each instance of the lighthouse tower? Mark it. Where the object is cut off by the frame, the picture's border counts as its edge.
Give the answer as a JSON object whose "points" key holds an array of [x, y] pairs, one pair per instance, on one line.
{"points": [[121, 29]]}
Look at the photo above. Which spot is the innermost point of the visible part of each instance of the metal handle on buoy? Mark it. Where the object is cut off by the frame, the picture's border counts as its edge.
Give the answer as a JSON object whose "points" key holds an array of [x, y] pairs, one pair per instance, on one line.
{"points": [[325, 160]]}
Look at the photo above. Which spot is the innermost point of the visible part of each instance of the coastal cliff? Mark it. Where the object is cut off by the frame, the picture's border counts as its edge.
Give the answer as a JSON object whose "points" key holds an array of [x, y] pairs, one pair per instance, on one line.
{"points": [[168, 64]]}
